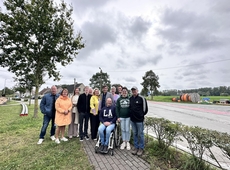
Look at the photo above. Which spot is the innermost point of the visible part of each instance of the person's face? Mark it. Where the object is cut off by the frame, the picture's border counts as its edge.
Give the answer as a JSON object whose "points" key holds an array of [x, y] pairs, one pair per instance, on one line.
{"points": [[105, 89], [54, 90], [108, 102], [76, 91], [90, 91], [119, 89], [96, 92], [113, 90], [124, 92], [65, 93], [134, 92], [86, 90]]}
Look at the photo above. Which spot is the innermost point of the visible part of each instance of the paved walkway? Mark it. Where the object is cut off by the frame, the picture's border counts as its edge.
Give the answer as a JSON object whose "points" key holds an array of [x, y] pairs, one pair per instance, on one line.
{"points": [[122, 159]]}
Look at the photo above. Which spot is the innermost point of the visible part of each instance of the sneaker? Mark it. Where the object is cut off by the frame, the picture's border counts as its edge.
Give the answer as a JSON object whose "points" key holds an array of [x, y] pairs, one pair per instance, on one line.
{"points": [[64, 139], [81, 139], [95, 139], [57, 141], [105, 150], [40, 141], [123, 145], [134, 151], [128, 146], [52, 138], [86, 137], [70, 137], [101, 148], [77, 136], [140, 152]]}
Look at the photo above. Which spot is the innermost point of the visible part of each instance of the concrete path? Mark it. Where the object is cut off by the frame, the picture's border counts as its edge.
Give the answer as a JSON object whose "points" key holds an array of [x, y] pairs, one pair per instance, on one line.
{"points": [[122, 159]]}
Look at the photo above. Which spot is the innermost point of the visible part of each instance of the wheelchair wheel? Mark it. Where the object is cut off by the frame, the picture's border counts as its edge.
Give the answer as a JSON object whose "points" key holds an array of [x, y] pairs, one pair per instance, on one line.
{"points": [[96, 149], [117, 136], [111, 152]]}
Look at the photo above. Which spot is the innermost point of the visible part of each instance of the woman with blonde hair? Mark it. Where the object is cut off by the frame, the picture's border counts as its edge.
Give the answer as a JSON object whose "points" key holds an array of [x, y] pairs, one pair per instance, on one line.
{"points": [[94, 116], [63, 107], [73, 127]]}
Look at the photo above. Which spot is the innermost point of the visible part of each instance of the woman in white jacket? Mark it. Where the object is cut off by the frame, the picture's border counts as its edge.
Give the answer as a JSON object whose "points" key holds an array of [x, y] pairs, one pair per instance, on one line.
{"points": [[73, 127]]}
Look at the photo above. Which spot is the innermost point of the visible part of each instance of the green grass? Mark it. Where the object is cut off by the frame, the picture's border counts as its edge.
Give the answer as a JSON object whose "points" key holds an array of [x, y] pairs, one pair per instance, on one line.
{"points": [[19, 149], [169, 98]]}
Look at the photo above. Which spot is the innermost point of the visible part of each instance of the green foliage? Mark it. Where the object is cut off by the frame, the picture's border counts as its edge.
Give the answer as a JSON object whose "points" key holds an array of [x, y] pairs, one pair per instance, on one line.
{"points": [[198, 140], [151, 82], [7, 91], [166, 131], [99, 79], [34, 37]]}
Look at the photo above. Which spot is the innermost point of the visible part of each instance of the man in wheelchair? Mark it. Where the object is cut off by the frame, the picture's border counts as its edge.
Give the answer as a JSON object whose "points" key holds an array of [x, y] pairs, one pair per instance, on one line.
{"points": [[108, 120]]}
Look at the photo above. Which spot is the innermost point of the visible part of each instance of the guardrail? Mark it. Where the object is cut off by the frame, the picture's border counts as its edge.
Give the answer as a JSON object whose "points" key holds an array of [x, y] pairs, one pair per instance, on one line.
{"points": [[24, 110]]}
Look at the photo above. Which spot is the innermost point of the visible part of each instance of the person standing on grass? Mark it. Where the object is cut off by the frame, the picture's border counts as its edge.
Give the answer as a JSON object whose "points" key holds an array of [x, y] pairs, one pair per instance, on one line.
{"points": [[47, 107], [122, 111], [63, 115], [94, 116], [73, 127], [83, 106], [138, 109]]}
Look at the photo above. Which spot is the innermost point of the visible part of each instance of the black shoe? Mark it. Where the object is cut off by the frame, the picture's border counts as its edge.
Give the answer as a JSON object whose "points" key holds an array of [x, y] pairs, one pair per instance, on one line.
{"points": [[81, 138], [86, 137], [105, 150], [101, 148]]}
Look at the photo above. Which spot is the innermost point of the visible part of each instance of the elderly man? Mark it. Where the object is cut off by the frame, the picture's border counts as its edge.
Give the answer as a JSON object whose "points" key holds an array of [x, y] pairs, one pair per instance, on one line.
{"points": [[47, 107], [108, 119], [138, 109]]}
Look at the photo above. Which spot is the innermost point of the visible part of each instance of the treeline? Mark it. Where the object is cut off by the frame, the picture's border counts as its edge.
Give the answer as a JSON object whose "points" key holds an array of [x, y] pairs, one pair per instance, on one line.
{"points": [[205, 91]]}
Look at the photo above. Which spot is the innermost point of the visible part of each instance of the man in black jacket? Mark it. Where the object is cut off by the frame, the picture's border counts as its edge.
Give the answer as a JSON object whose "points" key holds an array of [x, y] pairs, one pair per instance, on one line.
{"points": [[138, 109], [83, 106]]}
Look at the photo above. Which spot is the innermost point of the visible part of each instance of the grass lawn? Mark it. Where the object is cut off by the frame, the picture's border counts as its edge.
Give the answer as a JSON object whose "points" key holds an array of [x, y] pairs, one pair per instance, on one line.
{"points": [[169, 98], [19, 149]]}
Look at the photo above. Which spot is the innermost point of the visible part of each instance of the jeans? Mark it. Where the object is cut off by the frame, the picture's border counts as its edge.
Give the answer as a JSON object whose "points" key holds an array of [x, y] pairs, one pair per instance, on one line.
{"points": [[125, 129], [82, 117], [138, 134], [108, 129], [46, 121]]}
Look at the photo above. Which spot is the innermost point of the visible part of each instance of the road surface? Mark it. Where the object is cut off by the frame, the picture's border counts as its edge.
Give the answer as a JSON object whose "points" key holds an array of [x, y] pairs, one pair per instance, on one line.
{"points": [[213, 117]]}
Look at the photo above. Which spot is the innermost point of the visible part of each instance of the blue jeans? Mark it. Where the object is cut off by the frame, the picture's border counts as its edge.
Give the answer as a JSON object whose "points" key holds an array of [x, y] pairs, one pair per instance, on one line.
{"points": [[138, 134], [125, 129], [105, 137], [46, 121]]}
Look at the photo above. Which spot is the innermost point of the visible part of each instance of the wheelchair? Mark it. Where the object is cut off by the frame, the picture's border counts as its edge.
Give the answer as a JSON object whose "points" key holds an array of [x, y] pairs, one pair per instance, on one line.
{"points": [[114, 140]]}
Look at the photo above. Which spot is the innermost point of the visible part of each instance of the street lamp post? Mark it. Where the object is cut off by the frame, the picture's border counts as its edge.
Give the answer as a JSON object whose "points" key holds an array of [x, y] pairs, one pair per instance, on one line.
{"points": [[100, 77], [5, 88]]}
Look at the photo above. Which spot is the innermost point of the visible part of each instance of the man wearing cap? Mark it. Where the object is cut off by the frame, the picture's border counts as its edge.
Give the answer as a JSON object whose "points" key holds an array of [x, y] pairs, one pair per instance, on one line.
{"points": [[138, 109]]}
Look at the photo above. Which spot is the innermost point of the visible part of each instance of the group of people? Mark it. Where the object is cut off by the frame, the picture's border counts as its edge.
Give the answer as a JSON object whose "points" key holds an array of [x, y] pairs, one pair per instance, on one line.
{"points": [[102, 109]]}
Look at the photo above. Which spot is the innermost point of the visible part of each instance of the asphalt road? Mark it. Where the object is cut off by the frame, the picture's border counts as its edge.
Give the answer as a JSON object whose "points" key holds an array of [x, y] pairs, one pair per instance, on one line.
{"points": [[214, 117]]}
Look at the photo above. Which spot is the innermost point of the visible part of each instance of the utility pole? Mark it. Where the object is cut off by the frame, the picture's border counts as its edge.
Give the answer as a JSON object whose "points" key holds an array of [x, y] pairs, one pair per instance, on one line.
{"points": [[5, 88], [100, 78], [74, 85]]}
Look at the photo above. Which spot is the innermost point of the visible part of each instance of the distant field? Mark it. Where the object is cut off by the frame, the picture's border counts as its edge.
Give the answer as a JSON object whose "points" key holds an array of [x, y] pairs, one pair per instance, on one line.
{"points": [[169, 98]]}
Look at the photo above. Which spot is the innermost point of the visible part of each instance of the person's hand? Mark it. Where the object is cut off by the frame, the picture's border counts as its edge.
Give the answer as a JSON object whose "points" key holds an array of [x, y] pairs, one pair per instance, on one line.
{"points": [[66, 112], [119, 120], [107, 123], [94, 111]]}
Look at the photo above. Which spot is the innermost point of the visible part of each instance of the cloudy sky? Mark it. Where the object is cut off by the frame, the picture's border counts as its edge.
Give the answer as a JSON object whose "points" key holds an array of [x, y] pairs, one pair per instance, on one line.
{"points": [[185, 42]]}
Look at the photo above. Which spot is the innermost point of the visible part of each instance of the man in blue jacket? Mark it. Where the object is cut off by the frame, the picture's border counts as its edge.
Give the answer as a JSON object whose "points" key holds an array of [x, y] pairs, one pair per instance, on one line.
{"points": [[47, 107], [108, 119], [138, 109]]}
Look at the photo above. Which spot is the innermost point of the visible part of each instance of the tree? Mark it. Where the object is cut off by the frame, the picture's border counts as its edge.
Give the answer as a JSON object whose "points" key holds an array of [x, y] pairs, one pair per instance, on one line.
{"points": [[144, 92], [35, 36], [151, 82], [99, 79]]}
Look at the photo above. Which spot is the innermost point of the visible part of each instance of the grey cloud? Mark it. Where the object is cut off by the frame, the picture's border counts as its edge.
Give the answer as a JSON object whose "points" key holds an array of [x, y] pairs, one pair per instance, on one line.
{"points": [[96, 35], [223, 7], [138, 27], [130, 79], [147, 60]]}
